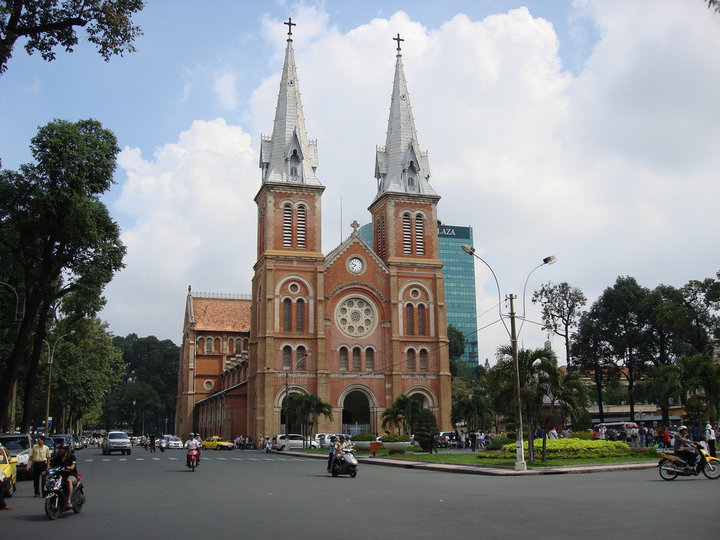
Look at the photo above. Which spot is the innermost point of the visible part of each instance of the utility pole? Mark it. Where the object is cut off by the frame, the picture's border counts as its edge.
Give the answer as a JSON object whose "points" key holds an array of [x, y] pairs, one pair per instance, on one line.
{"points": [[520, 464]]}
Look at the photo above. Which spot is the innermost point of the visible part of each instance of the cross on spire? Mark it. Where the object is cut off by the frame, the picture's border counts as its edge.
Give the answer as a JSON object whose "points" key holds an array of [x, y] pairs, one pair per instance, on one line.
{"points": [[398, 39], [355, 226], [290, 24]]}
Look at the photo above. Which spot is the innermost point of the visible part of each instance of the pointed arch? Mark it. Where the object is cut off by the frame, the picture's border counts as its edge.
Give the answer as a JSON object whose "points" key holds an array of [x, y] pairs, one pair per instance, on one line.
{"points": [[419, 234], [301, 226]]}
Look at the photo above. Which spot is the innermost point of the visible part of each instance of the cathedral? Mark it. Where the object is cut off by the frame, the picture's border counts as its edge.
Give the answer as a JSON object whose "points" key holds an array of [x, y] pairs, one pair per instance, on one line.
{"points": [[357, 327]]}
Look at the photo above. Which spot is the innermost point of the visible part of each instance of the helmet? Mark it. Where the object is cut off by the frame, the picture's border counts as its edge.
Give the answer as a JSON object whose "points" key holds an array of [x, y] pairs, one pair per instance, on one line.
{"points": [[192, 434], [682, 427]]}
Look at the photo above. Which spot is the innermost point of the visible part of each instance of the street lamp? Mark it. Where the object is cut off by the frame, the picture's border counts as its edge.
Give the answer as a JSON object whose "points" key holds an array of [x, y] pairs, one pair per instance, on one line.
{"points": [[51, 355], [300, 363], [520, 464]]}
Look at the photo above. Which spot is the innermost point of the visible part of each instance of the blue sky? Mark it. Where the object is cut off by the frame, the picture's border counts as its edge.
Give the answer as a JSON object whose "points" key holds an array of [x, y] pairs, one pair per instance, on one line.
{"points": [[583, 129]]}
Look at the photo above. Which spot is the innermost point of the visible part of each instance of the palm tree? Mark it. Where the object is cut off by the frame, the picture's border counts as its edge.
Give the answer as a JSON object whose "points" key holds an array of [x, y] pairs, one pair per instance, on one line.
{"points": [[304, 410], [403, 411]]}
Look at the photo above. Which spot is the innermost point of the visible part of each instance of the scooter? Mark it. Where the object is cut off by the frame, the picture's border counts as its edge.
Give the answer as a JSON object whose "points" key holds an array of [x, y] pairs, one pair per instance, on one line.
{"points": [[672, 466], [347, 464], [193, 459], [56, 494]]}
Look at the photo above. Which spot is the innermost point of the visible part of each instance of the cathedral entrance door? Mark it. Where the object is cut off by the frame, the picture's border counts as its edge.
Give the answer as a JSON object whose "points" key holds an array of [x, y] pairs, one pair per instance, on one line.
{"points": [[356, 414]]}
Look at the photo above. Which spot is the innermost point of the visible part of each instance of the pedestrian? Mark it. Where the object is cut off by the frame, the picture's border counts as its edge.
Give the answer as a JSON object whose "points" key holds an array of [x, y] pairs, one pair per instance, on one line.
{"points": [[331, 454], [3, 506], [38, 463], [710, 438], [552, 434], [473, 441]]}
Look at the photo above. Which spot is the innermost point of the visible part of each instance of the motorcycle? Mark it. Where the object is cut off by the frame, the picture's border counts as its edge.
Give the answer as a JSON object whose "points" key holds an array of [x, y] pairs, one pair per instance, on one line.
{"points": [[193, 459], [56, 494], [672, 466], [347, 464]]}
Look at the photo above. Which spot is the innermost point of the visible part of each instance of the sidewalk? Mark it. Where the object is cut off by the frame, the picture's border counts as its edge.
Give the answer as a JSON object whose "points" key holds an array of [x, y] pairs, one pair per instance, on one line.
{"points": [[486, 470]]}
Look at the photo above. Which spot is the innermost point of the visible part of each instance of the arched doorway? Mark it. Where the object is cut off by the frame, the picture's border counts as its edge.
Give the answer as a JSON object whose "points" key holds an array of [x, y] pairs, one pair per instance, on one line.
{"points": [[294, 426], [356, 414]]}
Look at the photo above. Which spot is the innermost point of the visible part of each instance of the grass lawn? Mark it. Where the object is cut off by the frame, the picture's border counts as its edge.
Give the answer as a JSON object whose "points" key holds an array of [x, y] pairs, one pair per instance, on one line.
{"points": [[471, 459]]}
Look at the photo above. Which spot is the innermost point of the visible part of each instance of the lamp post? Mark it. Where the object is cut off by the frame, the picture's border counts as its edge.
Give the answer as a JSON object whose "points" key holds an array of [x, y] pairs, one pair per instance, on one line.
{"points": [[299, 364], [51, 355], [520, 464]]}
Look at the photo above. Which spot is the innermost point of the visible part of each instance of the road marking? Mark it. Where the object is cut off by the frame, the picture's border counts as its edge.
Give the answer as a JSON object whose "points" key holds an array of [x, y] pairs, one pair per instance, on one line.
{"points": [[123, 459], [222, 458], [268, 459], [139, 459], [106, 459], [173, 458], [254, 459], [156, 459], [239, 459], [89, 459]]}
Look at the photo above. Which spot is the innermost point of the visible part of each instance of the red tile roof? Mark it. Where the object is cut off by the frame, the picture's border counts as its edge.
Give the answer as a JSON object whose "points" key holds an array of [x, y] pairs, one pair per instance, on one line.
{"points": [[222, 315]]}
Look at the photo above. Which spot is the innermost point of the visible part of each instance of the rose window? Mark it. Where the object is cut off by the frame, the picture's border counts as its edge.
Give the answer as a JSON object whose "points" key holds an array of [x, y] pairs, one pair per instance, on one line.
{"points": [[356, 317]]}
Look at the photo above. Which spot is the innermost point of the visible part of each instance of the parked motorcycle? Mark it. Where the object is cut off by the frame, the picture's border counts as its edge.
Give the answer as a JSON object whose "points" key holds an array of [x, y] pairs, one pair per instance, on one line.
{"points": [[347, 464], [193, 460], [56, 494], [672, 466]]}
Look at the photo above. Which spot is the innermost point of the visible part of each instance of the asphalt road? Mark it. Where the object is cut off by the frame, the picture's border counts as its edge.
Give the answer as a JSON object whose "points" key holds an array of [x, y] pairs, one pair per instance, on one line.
{"points": [[241, 494]]}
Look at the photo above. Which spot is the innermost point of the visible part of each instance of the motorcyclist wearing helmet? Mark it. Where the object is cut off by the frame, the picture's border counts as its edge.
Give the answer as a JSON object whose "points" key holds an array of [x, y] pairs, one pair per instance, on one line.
{"points": [[191, 443], [66, 459], [685, 448]]}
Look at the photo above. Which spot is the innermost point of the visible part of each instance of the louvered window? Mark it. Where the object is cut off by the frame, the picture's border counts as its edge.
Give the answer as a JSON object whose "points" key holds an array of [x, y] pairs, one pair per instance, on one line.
{"points": [[411, 360], [421, 320], [300, 316], [301, 226], [287, 315], [423, 360], [383, 252], [287, 226], [369, 360], [407, 234], [409, 322], [419, 235], [356, 359], [343, 359]]}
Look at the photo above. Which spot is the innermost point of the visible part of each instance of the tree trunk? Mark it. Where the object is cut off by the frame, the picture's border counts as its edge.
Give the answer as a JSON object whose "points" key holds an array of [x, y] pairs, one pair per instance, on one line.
{"points": [[598, 388], [31, 381]]}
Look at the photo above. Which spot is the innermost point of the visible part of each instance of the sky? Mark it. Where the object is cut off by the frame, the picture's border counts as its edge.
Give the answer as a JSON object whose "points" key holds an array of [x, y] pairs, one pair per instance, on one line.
{"points": [[582, 129]]}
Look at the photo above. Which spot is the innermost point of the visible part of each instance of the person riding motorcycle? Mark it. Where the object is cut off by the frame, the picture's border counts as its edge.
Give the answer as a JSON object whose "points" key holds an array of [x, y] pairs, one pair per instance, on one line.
{"points": [[192, 443], [66, 459], [685, 448]]}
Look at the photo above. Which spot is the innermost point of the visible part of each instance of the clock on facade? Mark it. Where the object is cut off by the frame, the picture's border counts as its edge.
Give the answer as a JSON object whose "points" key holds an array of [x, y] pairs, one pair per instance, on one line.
{"points": [[356, 265]]}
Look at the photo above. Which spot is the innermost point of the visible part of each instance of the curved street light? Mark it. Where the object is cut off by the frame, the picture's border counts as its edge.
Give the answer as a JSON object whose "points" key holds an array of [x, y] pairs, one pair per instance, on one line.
{"points": [[300, 364], [520, 464]]}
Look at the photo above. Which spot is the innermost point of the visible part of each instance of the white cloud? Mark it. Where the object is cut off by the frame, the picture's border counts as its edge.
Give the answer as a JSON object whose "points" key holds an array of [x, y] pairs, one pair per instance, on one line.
{"points": [[226, 90], [612, 170]]}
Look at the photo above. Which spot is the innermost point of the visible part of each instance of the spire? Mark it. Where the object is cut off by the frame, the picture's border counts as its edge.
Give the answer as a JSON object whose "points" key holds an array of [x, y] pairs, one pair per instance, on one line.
{"points": [[400, 166], [288, 156]]}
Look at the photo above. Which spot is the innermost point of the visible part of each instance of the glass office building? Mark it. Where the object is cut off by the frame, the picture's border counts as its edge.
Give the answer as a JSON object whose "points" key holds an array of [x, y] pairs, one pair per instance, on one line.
{"points": [[459, 273]]}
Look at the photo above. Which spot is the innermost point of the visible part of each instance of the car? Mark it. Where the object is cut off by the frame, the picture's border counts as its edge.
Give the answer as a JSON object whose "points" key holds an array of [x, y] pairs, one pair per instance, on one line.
{"points": [[8, 472], [65, 439], [293, 441], [174, 442], [116, 441], [16, 445], [216, 443]]}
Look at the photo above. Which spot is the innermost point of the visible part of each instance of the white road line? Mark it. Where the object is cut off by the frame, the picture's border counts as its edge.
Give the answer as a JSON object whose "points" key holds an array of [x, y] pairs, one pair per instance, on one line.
{"points": [[106, 459], [221, 459], [254, 459], [89, 459], [139, 459], [156, 459], [173, 458], [123, 459], [239, 459]]}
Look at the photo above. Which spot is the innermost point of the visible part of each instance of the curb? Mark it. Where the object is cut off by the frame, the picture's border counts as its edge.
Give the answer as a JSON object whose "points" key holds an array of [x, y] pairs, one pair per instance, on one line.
{"points": [[489, 471]]}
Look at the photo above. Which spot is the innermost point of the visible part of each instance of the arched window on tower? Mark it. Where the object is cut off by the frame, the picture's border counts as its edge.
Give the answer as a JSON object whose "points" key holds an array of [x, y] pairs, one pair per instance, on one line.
{"points": [[409, 320], [369, 360], [208, 345], [301, 358], [301, 226], [343, 358], [411, 360], [419, 235], [287, 357], [356, 358], [423, 360], [287, 225], [294, 167], [287, 315], [421, 320], [300, 315], [407, 234]]}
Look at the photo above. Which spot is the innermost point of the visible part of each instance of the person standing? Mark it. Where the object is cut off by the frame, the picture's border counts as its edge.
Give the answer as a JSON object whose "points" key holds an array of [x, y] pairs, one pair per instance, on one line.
{"points": [[331, 455], [710, 438], [38, 462]]}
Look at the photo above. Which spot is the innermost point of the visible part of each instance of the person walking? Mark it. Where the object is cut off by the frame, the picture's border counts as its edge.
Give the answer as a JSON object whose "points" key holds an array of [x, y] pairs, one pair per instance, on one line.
{"points": [[38, 463], [710, 438]]}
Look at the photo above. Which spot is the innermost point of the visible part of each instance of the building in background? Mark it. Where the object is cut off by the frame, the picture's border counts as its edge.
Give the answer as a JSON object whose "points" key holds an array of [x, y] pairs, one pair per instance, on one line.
{"points": [[459, 273]]}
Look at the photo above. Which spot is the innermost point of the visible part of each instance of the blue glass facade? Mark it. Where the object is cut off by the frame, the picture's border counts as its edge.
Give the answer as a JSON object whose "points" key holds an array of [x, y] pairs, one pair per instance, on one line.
{"points": [[459, 273]]}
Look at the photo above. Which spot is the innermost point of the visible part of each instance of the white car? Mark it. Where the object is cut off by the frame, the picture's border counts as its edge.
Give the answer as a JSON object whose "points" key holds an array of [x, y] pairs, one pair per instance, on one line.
{"points": [[293, 441], [174, 442], [116, 441]]}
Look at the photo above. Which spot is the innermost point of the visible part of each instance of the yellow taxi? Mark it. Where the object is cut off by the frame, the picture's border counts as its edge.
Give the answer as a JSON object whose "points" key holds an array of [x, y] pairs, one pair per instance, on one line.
{"points": [[216, 443], [8, 472]]}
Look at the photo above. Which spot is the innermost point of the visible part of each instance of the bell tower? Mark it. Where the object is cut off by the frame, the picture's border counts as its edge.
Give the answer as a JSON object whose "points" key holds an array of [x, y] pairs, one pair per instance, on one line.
{"points": [[287, 282]]}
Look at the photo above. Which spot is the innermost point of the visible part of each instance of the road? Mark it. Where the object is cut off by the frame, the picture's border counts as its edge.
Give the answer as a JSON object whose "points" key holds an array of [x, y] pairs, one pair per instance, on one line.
{"points": [[235, 494]]}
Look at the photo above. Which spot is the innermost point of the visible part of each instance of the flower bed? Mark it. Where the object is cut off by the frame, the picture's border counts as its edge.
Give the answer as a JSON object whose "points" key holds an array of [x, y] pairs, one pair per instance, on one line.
{"points": [[566, 448]]}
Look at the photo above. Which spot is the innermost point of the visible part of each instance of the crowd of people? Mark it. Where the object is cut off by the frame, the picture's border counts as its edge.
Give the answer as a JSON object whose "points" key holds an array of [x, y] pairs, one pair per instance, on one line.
{"points": [[657, 435]]}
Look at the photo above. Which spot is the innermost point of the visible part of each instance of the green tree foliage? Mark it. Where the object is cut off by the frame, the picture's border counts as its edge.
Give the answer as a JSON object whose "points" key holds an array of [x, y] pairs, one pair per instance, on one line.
{"points": [[456, 348], [561, 306], [425, 426], [49, 23], [147, 395], [305, 410], [57, 240], [402, 413]]}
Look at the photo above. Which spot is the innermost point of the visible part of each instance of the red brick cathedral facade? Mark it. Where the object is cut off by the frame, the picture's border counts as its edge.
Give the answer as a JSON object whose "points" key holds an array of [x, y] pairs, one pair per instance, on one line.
{"points": [[358, 327]]}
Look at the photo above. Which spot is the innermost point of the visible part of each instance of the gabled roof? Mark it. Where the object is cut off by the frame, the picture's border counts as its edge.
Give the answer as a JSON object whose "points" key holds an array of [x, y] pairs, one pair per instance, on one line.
{"points": [[353, 238], [219, 314]]}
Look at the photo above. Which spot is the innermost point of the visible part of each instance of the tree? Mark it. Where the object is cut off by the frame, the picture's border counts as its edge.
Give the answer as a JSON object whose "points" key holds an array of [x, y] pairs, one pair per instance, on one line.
{"points": [[456, 344], [714, 5], [403, 412], [561, 305], [49, 23], [57, 239], [304, 410]]}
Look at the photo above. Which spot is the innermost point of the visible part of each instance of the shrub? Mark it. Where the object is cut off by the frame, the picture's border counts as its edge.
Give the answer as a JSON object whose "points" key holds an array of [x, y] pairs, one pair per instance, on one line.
{"points": [[396, 438], [425, 425], [586, 435], [574, 446], [500, 441], [363, 437]]}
